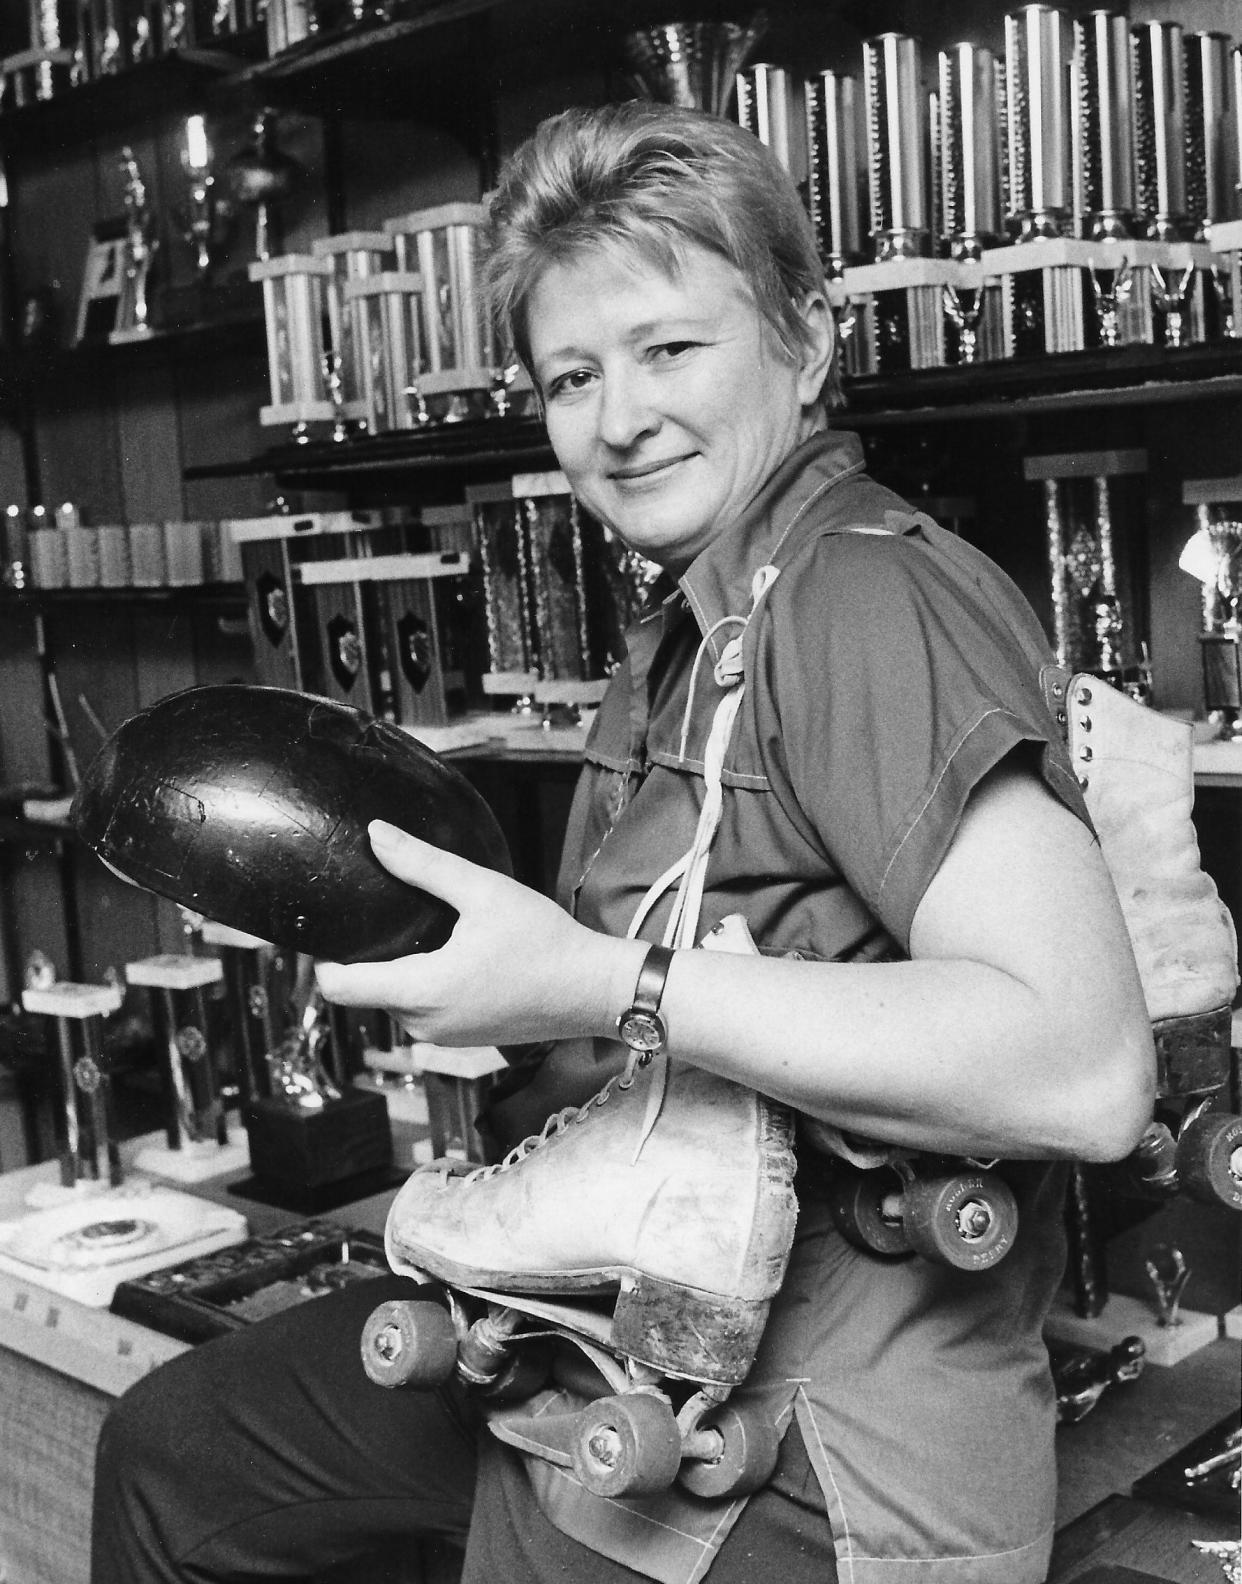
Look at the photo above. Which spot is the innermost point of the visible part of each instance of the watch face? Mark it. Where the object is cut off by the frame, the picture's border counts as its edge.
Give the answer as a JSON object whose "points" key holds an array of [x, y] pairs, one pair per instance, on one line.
{"points": [[642, 1031]]}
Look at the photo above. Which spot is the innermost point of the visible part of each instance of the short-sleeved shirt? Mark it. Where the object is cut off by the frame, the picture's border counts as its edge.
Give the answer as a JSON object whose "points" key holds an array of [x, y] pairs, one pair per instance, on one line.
{"points": [[888, 667]]}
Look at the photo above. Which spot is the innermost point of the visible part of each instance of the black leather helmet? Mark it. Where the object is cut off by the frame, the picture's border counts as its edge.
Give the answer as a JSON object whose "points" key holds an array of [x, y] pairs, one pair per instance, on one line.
{"points": [[250, 805]]}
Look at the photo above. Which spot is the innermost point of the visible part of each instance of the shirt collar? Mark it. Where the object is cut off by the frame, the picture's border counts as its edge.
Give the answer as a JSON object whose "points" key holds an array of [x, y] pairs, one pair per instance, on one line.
{"points": [[717, 582]]}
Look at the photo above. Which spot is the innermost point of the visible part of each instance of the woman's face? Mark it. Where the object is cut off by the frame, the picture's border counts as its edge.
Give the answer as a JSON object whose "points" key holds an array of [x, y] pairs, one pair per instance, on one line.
{"points": [[669, 400]]}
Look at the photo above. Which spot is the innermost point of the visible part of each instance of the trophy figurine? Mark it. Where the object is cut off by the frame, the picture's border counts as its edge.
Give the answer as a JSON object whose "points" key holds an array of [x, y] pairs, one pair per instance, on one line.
{"points": [[965, 311], [1109, 300], [1168, 1273], [1169, 297], [141, 244]]}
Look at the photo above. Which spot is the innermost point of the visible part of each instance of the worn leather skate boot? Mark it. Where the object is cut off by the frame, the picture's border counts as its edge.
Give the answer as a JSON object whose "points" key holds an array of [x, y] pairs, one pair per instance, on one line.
{"points": [[671, 1188], [1137, 773]]}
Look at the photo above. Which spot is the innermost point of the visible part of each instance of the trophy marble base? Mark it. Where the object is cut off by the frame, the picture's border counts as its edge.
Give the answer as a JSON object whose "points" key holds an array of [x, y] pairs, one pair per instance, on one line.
{"points": [[313, 1160], [1126, 1317], [197, 1160], [1232, 1322]]}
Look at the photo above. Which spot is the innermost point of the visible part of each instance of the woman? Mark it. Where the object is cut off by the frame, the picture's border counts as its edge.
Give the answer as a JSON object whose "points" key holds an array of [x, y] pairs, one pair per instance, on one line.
{"points": [[855, 696]]}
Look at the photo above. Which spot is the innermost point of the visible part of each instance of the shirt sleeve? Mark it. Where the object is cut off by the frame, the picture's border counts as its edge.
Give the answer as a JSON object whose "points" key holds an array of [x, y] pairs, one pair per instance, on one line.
{"points": [[901, 677]]}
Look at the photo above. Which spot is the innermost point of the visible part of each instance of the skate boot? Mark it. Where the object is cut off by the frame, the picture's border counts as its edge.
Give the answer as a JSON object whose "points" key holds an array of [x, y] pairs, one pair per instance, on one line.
{"points": [[1137, 774], [651, 1228]]}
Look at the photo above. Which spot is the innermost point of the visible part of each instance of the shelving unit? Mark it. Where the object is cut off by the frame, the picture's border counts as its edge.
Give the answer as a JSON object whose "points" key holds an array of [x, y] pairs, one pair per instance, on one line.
{"points": [[468, 78]]}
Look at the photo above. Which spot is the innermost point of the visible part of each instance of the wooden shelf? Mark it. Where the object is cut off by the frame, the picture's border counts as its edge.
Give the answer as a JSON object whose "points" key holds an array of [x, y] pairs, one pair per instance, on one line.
{"points": [[1136, 376], [174, 82], [475, 444], [226, 336], [1126, 377], [229, 595], [423, 68]]}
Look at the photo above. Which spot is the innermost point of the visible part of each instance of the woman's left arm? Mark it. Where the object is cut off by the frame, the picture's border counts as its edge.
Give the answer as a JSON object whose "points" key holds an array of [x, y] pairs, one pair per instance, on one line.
{"points": [[1017, 1028]]}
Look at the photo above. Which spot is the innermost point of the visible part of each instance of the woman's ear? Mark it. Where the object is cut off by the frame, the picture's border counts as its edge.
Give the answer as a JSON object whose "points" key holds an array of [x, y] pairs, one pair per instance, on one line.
{"points": [[818, 346]]}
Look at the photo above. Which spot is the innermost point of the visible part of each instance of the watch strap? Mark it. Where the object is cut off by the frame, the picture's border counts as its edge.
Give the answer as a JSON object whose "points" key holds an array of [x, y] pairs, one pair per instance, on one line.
{"points": [[649, 989]]}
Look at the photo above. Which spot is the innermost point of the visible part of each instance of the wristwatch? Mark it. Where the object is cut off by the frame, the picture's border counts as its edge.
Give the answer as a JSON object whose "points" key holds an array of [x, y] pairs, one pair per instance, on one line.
{"points": [[641, 1025]]}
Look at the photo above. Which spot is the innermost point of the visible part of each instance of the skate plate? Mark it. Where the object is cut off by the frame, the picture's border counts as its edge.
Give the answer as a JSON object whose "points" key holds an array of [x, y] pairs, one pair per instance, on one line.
{"points": [[628, 1440]]}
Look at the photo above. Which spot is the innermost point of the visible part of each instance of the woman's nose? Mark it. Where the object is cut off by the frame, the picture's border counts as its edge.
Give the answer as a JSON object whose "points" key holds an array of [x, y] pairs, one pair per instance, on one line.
{"points": [[625, 410]]}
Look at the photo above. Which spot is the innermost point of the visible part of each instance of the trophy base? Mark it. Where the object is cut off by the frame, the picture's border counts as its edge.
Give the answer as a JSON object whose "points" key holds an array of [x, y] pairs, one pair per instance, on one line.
{"points": [[82, 1245], [1126, 1317], [309, 1161], [197, 1160]]}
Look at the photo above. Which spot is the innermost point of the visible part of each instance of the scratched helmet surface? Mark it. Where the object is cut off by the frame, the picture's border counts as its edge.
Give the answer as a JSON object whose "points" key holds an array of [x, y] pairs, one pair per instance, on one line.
{"points": [[250, 805]]}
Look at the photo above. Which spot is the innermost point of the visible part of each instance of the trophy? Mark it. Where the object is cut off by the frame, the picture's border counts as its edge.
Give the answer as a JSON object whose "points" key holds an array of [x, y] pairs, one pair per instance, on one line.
{"points": [[1160, 138], [558, 593], [835, 172], [259, 176], [896, 151], [1213, 555], [316, 1140], [1038, 120], [386, 635], [383, 316], [294, 285], [1045, 293], [768, 103], [968, 144], [141, 244], [197, 1143], [88, 1136], [1092, 604], [1164, 138], [355, 256], [1212, 133], [894, 315], [462, 372], [1103, 128], [693, 64]]}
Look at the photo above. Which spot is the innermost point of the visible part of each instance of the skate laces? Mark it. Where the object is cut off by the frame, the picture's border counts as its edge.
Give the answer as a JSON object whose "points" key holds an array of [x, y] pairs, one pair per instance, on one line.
{"points": [[559, 1122], [689, 873]]}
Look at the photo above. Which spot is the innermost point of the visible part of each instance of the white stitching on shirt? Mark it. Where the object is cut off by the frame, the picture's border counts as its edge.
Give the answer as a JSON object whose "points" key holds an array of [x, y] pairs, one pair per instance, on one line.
{"points": [[846, 1552], [954, 749]]}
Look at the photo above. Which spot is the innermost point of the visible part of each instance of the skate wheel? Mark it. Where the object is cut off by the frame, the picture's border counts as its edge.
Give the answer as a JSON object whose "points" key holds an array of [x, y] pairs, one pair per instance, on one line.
{"points": [[409, 1344], [966, 1221], [749, 1445], [861, 1203], [627, 1445], [1209, 1159]]}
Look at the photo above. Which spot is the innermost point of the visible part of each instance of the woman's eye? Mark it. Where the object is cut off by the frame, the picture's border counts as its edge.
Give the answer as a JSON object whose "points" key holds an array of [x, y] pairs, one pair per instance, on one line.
{"points": [[568, 383], [672, 349]]}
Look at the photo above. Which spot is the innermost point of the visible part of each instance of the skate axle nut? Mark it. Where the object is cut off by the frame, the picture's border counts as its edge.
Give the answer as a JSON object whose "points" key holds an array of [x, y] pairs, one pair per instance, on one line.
{"points": [[605, 1447], [974, 1219], [388, 1343]]}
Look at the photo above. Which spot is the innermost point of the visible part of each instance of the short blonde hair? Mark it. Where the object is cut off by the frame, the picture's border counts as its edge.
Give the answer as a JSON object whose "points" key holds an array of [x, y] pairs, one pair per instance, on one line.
{"points": [[647, 179]]}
